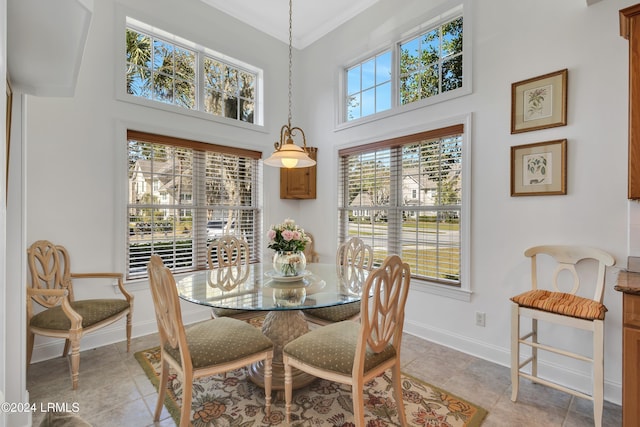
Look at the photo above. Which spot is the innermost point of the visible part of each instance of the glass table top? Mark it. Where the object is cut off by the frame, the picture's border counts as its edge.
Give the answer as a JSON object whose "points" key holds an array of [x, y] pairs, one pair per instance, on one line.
{"points": [[258, 287]]}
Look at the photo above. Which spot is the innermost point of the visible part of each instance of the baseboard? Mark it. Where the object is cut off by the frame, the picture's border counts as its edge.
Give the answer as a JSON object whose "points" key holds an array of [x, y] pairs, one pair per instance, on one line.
{"points": [[502, 356]]}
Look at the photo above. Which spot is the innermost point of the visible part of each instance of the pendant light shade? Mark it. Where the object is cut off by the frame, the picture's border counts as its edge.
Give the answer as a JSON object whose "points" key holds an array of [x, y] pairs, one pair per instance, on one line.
{"points": [[287, 154]]}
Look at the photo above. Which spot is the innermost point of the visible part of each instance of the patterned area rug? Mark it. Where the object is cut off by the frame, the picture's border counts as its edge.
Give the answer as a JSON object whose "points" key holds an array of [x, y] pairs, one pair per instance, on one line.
{"points": [[233, 400]]}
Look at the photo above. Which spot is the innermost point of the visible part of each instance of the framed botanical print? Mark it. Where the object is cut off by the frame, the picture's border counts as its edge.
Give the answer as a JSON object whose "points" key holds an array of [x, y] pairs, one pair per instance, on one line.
{"points": [[539, 169], [539, 102]]}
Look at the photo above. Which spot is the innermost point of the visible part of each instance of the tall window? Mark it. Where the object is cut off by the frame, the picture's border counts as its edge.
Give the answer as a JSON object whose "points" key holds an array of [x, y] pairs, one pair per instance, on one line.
{"points": [[164, 68], [404, 196], [183, 195]]}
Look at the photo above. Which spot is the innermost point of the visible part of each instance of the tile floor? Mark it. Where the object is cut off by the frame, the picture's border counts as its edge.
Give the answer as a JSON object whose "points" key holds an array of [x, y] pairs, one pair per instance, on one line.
{"points": [[114, 391]]}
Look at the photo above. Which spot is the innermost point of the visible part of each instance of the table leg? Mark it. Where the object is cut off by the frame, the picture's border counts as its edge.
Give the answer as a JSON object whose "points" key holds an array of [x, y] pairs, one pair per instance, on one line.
{"points": [[282, 327]]}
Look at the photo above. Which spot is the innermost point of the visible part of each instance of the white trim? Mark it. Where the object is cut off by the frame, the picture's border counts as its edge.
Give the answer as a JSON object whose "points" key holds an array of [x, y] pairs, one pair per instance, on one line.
{"points": [[125, 15], [439, 15]]}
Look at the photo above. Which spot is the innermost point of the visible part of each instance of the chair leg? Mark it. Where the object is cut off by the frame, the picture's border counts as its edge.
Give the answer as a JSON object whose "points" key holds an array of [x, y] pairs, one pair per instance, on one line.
{"points": [[30, 340], [515, 350], [534, 350], [397, 388], [162, 388], [288, 389], [75, 360], [598, 371], [357, 390], [129, 331], [268, 374], [187, 396], [67, 344]]}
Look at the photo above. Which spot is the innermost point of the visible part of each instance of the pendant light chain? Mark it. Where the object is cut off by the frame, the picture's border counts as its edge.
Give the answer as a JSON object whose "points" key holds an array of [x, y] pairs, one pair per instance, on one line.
{"points": [[290, 54]]}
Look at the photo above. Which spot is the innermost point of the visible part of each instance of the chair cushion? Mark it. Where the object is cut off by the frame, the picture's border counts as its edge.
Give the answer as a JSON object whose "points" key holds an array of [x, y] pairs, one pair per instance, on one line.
{"points": [[333, 348], [224, 312], [218, 341], [336, 313], [562, 303], [91, 310]]}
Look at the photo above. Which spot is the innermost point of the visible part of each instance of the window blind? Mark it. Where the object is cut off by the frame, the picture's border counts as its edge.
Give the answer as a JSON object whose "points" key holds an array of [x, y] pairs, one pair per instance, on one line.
{"points": [[184, 194], [403, 196]]}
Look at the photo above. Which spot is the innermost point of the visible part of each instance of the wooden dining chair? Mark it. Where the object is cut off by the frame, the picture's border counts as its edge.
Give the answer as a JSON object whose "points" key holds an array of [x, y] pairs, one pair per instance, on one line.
{"points": [[309, 250], [228, 251], [549, 304], [354, 353], [355, 254], [207, 348], [63, 316]]}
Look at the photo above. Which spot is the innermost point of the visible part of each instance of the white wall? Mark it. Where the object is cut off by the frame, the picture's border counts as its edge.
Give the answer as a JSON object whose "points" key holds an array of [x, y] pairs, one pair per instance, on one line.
{"points": [[76, 156], [512, 41], [76, 151]]}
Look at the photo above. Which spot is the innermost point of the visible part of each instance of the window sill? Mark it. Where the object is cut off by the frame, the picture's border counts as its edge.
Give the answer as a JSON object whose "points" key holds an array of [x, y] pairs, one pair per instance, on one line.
{"points": [[190, 113], [441, 290]]}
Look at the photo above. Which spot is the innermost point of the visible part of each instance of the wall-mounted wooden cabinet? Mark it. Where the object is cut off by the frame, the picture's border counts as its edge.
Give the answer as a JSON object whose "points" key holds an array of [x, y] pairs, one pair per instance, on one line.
{"points": [[299, 183], [630, 30]]}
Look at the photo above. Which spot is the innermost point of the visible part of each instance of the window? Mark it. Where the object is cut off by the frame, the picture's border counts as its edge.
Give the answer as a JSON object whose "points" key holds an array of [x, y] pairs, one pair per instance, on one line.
{"points": [[369, 86], [404, 196], [425, 65], [199, 192], [164, 68], [431, 63]]}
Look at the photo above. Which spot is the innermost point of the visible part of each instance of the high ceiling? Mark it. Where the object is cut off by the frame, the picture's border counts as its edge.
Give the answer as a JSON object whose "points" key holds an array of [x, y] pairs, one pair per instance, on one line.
{"points": [[311, 19]]}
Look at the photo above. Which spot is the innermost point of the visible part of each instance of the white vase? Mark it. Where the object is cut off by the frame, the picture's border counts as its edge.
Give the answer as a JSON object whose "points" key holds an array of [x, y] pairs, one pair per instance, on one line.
{"points": [[289, 263]]}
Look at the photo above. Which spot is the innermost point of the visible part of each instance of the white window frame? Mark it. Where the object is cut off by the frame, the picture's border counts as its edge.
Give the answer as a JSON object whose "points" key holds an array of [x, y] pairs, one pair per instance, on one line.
{"points": [[128, 18], [464, 291], [442, 14]]}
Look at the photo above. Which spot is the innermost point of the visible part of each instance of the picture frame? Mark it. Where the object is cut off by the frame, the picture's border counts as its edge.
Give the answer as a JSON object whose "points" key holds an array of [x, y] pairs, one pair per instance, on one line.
{"points": [[539, 169], [539, 102]]}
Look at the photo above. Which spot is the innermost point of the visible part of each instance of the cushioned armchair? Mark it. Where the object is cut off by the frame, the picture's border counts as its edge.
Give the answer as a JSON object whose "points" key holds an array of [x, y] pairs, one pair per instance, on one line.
{"points": [[64, 317], [228, 251], [354, 353], [355, 255], [207, 348]]}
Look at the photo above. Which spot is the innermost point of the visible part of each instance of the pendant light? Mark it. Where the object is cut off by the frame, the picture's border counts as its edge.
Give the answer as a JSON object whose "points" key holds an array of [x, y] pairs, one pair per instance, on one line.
{"points": [[287, 154]]}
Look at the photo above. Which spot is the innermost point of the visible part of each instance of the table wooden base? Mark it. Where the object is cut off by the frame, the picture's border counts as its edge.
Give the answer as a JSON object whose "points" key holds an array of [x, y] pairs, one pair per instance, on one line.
{"points": [[282, 327]]}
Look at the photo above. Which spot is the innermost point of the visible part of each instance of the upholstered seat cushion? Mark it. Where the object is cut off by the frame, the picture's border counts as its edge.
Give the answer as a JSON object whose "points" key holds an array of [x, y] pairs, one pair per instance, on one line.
{"points": [[561, 303], [91, 310], [223, 340], [335, 313], [333, 348], [224, 312]]}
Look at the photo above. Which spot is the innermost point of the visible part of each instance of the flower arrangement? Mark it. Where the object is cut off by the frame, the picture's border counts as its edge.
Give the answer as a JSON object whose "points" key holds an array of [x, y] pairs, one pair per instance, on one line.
{"points": [[287, 237]]}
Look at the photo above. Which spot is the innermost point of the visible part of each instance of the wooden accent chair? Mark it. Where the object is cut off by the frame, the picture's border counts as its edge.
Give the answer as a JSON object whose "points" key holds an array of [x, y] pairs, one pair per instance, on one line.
{"points": [[562, 308], [203, 349], [228, 251], [356, 352], [309, 251], [64, 317], [355, 254]]}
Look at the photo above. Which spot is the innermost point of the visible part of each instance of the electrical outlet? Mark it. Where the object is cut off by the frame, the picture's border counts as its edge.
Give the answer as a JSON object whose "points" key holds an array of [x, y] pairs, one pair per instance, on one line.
{"points": [[480, 318]]}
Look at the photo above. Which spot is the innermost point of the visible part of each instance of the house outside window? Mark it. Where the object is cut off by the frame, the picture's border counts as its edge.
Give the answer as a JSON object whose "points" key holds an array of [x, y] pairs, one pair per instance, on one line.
{"points": [[165, 68], [404, 196], [203, 192]]}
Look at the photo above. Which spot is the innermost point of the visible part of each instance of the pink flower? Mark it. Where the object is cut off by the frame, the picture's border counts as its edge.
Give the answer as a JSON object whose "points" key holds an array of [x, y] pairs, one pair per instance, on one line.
{"points": [[271, 234], [287, 235], [296, 235]]}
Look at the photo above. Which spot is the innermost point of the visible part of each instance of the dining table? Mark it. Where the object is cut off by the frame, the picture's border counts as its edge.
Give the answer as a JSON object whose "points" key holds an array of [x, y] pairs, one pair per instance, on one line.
{"points": [[258, 287]]}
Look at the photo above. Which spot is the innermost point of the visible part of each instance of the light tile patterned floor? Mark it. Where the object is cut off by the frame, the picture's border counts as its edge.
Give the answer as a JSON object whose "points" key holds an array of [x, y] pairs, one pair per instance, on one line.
{"points": [[114, 391]]}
